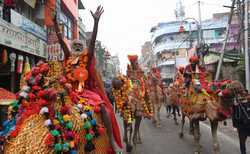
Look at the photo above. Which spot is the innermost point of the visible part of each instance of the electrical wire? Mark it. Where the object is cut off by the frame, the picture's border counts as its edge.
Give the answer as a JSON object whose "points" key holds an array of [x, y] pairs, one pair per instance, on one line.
{"points": [[212, 4]]}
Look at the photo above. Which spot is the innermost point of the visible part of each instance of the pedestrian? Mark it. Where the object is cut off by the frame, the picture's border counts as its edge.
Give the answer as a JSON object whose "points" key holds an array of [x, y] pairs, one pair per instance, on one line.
{"points": [[167, 101]]}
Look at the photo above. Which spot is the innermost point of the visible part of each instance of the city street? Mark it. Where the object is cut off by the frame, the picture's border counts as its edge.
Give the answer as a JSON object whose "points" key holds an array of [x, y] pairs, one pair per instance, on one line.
{"points": [[165, 140], [66, 64]]}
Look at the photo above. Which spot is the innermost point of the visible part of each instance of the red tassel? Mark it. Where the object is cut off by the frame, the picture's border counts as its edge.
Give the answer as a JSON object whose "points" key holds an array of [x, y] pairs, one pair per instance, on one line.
{"points": [[49, 140]]}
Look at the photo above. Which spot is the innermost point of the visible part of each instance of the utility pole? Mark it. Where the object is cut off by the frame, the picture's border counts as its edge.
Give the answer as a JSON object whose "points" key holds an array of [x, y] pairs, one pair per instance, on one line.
{"points": [[190, 35], [246, 46], [200, 26], [225, 42]]}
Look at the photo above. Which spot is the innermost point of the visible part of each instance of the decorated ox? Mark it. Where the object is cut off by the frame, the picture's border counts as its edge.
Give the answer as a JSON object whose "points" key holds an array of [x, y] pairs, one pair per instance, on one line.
{"points": [[155, 93], [130, 96]]}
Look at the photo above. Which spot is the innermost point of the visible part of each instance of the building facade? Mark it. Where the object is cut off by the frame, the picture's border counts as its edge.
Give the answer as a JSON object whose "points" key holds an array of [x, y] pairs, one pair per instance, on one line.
{"points": [[172, 41], [116, 65], [147, 58], [27, 35]]}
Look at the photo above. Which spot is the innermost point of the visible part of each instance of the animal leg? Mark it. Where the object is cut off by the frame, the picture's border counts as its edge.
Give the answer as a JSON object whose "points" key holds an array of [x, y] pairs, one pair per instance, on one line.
{"points": [[139, 141], [216, 147], [174, 113], [154, 119], [158, 122], [191, 127], [136, 128], [197, 138], [242, 138], [168, 110], [125, 135], [182, 126]]}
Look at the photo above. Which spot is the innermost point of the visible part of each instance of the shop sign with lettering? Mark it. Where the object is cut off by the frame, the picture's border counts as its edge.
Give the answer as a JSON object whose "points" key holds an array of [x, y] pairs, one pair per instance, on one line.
{"points": [[16, 38], [27, 25]]}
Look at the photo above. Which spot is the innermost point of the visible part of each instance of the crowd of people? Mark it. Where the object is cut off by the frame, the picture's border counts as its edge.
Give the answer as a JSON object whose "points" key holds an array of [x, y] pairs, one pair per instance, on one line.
{"points": [[73, 106]]}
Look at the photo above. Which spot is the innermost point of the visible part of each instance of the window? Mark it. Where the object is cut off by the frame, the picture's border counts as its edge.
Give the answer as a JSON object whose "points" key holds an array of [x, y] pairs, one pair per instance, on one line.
{"points": [[67, 25]]}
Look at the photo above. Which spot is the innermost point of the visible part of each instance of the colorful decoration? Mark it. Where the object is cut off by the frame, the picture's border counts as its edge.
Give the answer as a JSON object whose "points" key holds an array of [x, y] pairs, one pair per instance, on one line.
{"points": [[4, 56], [13, 61], [132, 58], [19, 68], [40, 97], [121, 99]]}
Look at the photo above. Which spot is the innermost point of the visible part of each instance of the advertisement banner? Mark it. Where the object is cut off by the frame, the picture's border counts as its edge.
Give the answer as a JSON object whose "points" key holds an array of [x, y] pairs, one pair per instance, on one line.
{"points": [[16, 38], [27, 25]]}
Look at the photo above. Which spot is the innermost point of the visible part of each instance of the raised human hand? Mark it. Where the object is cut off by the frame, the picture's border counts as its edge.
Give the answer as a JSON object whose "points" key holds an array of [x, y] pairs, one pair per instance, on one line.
{"points": [[99, 11]]}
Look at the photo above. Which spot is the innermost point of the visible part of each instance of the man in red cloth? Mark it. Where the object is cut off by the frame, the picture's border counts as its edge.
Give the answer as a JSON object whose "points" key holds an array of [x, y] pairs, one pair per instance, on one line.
{"points": [[82, 74]]}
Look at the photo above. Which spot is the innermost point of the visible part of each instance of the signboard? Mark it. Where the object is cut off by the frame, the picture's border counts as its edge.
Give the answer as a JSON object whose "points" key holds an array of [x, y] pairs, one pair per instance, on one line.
{"points": [[27, 25], [1, 12], [16, 38]]}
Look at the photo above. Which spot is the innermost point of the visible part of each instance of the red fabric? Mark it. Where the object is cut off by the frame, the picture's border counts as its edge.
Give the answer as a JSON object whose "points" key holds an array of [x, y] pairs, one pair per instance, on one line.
{"points": [[9, 3], [4, 94], [93, 85], [132, 58]]}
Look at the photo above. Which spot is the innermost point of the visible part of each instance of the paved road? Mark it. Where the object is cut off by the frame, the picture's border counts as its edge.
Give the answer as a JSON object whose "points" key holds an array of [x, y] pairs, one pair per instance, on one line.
{"points": [[165, 140]]}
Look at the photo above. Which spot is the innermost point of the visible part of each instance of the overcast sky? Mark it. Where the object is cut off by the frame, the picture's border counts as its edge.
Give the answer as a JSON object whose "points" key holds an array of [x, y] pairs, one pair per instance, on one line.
{"points": [[125, 24]]}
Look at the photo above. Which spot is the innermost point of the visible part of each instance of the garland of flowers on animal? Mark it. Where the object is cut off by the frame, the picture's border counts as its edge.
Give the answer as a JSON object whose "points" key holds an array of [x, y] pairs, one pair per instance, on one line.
{"points": [[121, 99], [201, 85], [38, 98]]}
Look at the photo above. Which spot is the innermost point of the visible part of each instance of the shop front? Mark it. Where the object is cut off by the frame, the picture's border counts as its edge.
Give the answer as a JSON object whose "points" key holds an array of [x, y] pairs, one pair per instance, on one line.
{"points": [[18, 50]]}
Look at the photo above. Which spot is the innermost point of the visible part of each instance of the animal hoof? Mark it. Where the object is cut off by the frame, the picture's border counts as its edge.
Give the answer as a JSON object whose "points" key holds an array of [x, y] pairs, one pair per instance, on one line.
{"points": [[129, 148], [158, 125], [134, 140], [139, 142], [181, 135], [153, 121], [191, 132]]}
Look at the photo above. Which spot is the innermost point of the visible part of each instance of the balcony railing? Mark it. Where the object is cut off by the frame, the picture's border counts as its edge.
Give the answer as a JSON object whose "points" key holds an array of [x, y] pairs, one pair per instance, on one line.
{"points": [[169, 46]]}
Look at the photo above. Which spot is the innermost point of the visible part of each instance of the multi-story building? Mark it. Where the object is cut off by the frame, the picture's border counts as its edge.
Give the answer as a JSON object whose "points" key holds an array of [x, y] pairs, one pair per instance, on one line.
{"points": [[99, 54], [26, 28], [23, 37], [116, 65], [171, 46], [147, 59], [68, 16], [82, 30]]}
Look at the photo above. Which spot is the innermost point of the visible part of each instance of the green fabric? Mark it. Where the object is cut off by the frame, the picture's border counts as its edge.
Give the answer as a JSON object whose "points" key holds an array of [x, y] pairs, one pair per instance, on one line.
{"points": [[58, 147], [69, 125], [88, 137], [87, 125], [55, 132]]}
